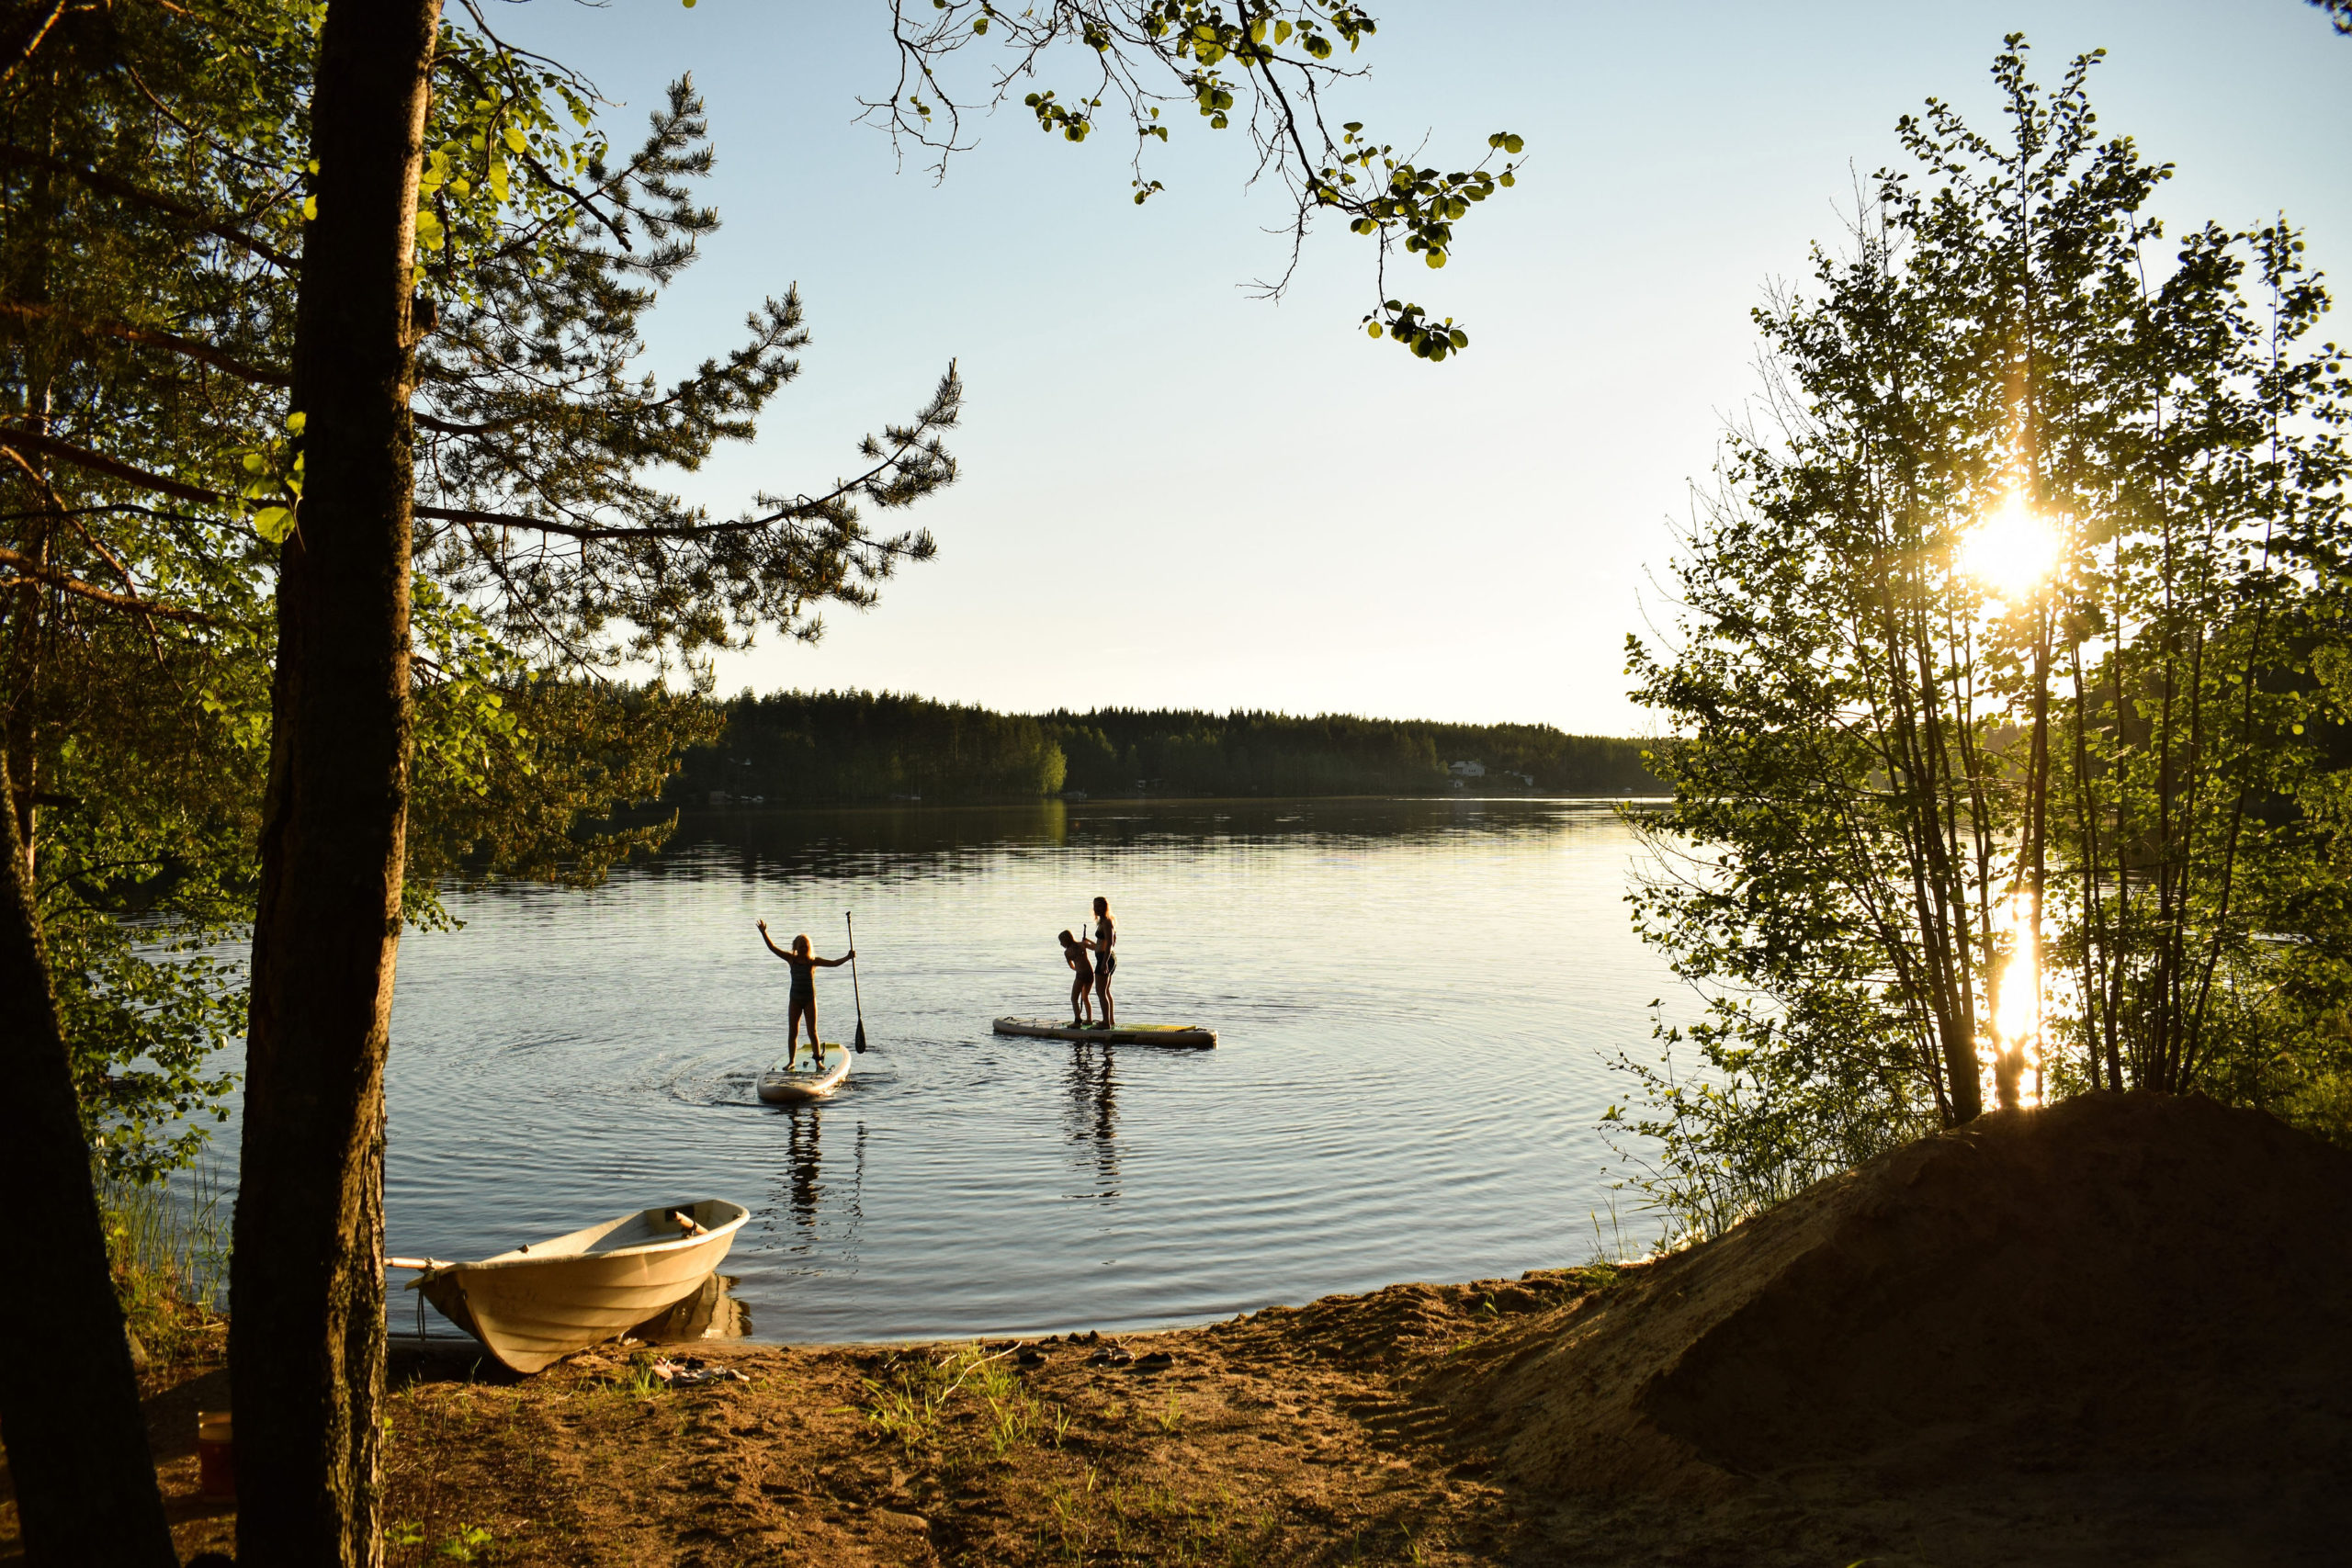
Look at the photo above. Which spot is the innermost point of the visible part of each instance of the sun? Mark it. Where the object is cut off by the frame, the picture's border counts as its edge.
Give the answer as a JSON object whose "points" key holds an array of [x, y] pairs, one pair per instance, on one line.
{"points": [[2014, 550], [2017, 1019]]}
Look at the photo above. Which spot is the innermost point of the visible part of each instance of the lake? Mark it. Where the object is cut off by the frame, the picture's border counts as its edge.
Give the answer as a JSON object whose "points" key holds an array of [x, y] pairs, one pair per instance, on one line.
{"points": [[1414, 1001]]}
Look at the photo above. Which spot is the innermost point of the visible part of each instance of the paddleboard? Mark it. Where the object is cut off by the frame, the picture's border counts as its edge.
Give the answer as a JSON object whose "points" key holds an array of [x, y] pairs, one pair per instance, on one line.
{"points": [[1126, 1034], [797, 1084]]}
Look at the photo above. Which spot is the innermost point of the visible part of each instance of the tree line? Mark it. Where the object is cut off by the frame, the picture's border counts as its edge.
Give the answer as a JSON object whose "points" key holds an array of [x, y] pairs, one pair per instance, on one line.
{"points": [[1116, 750], [836, 747]]}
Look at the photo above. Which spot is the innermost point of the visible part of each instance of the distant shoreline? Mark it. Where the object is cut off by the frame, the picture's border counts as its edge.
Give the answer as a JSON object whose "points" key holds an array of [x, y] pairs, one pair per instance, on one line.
{"points": [[869, 748], [736, 808]]}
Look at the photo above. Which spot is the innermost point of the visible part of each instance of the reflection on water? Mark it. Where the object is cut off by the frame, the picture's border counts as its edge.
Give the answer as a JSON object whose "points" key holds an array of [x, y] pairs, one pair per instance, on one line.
{"points": [[1092, 1119], [711, 1312], [803, 1163], [1414, 1000]]}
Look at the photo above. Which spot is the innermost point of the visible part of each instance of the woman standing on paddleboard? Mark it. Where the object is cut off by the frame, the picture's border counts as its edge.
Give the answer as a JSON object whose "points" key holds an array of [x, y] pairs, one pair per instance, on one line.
{"points": [[804, 964], [1106, 933]]}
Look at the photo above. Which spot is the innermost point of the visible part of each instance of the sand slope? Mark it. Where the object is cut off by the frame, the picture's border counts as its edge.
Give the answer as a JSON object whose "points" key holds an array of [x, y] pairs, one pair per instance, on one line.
{"points": [[2133, 1306]]}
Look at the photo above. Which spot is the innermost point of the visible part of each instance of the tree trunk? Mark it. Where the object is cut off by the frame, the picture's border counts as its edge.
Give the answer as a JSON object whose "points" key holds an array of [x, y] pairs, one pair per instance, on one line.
{"points": [[307, 1282], [68, 1401]]}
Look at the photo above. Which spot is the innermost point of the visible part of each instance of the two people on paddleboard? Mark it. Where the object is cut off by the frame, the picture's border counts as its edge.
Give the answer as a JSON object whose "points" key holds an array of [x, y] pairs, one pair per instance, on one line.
{"points": [[1093, 973], [804, 964]]}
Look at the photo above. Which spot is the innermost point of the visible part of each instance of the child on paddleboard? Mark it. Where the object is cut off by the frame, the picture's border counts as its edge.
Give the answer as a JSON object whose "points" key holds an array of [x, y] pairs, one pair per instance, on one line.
{"points": [[804, 964], [1081, 986], [1106, 934]]}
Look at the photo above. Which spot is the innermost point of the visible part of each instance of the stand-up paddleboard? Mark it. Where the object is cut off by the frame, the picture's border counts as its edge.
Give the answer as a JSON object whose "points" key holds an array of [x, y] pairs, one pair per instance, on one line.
{"points": [[796, 1084], [1126, 1034]]}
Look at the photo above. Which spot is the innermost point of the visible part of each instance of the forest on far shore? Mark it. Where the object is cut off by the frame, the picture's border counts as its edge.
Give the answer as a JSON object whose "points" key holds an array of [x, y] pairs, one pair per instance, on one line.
{"points": [[844, 748]]}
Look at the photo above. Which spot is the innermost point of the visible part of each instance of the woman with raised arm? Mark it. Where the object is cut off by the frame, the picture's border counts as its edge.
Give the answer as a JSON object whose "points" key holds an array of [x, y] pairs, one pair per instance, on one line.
{"points": [[804, 964]]}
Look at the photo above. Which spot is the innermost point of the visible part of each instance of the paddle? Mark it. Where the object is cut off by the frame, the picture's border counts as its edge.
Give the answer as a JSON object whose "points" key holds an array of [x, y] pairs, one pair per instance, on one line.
{"points": [[853, 980]]}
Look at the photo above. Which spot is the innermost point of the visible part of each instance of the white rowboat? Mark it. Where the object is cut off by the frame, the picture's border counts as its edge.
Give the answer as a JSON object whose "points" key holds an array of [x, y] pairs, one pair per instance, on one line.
{"points": [[541, 1301], [1126, 1034], [796, 1085]]}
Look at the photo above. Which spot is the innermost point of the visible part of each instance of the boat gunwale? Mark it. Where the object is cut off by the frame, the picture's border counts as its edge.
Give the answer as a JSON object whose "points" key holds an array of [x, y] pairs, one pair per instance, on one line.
{"points": [[637, 1249]]}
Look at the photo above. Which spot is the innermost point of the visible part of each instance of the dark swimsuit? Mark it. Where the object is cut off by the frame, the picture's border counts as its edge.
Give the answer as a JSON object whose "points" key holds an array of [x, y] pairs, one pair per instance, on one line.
{"points": [[1077, 962], [804, 982]]}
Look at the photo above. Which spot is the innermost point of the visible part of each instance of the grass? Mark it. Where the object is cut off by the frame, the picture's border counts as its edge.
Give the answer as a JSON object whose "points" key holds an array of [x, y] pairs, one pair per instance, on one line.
{"points": [[169, 1255], [914, 1404], [1091, 1521], [467, 1545], [1617, 1247], [638, 1380], [911, 1403]]}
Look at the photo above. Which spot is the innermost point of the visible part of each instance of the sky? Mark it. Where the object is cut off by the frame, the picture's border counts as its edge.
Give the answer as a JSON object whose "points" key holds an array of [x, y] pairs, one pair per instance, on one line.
{"points": [[1174, 494]]}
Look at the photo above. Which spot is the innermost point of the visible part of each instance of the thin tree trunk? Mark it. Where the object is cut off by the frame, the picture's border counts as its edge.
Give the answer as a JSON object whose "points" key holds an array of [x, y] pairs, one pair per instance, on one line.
{"points": [[28, 627], [306, 1335], [68, 1401]]}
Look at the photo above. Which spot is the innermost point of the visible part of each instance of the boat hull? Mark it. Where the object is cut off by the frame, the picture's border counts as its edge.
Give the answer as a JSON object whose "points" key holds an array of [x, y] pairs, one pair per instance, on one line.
{"points": [[531, 1311], [1184, 1035]]}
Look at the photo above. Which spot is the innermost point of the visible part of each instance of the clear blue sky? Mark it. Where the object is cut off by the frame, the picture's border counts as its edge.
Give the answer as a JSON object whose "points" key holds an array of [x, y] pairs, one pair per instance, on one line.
{"points": [[1174, 494]]}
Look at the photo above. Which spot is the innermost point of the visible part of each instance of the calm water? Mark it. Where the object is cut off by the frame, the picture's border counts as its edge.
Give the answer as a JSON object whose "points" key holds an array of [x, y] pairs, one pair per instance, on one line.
{"points": [[1414, 999]]}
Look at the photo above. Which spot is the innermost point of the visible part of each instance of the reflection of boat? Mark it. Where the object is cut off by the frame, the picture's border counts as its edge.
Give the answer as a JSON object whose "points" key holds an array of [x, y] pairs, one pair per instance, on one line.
{"points": [[543, 1300], [710, 1314], [1126, 1034], [796, 1085]]}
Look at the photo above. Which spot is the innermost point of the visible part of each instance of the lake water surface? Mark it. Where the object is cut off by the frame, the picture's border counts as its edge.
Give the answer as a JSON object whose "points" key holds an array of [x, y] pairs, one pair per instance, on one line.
{"points": [[1414, 1001]]}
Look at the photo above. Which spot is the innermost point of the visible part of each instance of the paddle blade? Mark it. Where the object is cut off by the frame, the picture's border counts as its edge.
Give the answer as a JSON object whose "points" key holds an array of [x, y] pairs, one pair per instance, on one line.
{"points": [[861, 1035]]}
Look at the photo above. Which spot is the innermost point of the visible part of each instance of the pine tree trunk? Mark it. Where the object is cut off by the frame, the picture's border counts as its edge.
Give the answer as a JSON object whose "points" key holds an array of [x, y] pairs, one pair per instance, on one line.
{"points": [[307, 1283], [68, 1401]]}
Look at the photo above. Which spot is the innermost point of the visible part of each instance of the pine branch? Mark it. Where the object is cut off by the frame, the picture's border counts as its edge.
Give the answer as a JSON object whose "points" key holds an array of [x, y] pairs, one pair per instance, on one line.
{"points": [[29, 570], [36, 28], [244, 370], [205, 222], [98, 463]]}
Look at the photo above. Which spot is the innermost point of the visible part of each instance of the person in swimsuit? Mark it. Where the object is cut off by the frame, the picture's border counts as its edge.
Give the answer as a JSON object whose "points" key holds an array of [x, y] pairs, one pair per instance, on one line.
{"points": [[1106, 936], [804, 964], [1081, 988]]}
